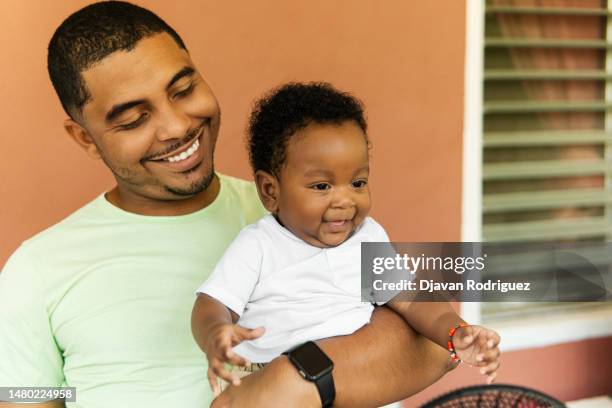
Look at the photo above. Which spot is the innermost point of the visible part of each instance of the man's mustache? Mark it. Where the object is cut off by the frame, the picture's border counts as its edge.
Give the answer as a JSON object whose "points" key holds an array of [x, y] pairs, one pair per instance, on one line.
{"points": [[188, 138]]}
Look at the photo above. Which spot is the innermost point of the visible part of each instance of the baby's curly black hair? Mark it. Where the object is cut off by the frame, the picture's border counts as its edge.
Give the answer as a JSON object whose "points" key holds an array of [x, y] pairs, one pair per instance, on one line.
{"points": [[291, 107]]}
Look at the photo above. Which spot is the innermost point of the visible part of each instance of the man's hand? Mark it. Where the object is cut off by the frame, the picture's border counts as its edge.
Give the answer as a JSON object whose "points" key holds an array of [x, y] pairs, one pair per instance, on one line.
{"points": [[478, 346], [218, 348]]}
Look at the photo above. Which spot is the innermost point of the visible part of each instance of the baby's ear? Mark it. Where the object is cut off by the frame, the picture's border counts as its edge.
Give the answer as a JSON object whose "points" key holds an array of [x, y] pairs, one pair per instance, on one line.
{"points": [[268, 189]]}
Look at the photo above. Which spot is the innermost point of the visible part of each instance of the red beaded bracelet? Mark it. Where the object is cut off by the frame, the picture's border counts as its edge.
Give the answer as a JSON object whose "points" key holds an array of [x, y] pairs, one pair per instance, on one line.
{"points": [[451, 346]]}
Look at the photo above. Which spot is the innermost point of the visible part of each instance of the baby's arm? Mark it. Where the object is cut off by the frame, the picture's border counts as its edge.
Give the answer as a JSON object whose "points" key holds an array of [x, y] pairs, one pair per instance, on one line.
{"points": [[221, 299], [475, 345], [214, 330]]}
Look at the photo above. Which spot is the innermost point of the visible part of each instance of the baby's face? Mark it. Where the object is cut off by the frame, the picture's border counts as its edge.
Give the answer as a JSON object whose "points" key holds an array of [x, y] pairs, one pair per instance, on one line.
{"points": [[324, 194]]}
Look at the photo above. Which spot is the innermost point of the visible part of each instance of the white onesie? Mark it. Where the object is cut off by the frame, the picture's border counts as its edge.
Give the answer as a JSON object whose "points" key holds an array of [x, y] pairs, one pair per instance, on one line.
{"points": [[298, 292]]}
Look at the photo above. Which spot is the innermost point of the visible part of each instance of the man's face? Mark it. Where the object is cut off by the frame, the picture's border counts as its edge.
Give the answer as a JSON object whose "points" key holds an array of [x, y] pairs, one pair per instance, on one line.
{"points": [[153, 120], [324, 194]]}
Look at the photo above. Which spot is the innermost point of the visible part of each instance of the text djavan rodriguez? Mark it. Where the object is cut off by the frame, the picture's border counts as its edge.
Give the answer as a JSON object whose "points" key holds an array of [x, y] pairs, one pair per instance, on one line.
{"points": [[470, 284]]}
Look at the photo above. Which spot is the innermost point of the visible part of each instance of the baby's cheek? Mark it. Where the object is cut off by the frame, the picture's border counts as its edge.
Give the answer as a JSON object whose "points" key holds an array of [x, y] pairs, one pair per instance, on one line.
{"points": [[365, 207]]}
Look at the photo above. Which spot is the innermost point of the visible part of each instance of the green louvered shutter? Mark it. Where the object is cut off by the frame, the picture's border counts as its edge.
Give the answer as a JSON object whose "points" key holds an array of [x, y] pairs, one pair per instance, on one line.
{"points": [[547, 126]]}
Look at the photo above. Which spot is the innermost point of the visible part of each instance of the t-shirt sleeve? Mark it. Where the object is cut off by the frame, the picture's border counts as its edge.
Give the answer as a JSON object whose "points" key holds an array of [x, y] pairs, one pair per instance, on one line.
{"points": [[236, 274], [378, 233], [29, 356], [386, 250]]}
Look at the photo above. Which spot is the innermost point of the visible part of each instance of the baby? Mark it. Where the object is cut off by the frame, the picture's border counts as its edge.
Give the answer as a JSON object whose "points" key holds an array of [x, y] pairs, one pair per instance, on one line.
{"points": [[294, 276]]}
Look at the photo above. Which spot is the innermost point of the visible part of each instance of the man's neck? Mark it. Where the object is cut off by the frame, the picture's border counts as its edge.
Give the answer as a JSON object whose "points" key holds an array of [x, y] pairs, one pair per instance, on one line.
{"points": [[148, 206]]}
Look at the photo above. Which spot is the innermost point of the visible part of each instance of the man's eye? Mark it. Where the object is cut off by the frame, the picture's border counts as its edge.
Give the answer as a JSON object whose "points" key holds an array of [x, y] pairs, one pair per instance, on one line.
{"points": [[359, 183], [185, 91], [136, 123], [321, 186]]}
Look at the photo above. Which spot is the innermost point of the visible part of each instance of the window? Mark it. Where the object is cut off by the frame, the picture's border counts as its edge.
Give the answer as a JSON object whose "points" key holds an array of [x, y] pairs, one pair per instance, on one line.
{"points": [[539, 112]]}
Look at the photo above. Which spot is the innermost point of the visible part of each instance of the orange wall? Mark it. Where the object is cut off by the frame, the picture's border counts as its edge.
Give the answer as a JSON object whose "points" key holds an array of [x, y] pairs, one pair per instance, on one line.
{"points": [[405, 60]]}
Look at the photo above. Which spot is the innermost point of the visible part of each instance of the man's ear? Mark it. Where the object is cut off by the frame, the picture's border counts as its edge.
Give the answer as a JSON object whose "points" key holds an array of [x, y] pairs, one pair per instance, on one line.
{"points": [[80, 135], [268, 189]]}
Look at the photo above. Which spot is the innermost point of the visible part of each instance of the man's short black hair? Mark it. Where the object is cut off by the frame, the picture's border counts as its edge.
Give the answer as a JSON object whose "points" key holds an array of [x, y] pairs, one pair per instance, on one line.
{"points": [[90, 35], [291, 107]]}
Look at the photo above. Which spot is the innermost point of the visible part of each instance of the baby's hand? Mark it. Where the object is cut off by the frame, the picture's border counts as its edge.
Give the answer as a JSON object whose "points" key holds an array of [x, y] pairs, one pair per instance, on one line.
{"points": [[218, 348], [478, 346]]}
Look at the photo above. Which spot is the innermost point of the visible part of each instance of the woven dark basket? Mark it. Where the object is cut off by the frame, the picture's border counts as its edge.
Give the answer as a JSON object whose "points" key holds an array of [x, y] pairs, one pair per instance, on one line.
{"points": [[494, 396]]}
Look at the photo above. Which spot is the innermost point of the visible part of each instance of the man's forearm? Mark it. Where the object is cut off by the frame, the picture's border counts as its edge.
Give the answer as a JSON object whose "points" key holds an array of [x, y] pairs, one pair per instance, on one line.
{"points": [[384, 361]]}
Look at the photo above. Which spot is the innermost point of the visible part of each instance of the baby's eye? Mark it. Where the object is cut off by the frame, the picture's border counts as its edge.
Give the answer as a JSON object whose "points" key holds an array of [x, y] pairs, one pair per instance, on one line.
{"points": [[359, 183], [321, 186]]}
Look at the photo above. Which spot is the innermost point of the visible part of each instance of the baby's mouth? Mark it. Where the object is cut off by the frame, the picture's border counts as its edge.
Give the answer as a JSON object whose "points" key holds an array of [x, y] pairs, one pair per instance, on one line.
{"points": [[338, 225]]}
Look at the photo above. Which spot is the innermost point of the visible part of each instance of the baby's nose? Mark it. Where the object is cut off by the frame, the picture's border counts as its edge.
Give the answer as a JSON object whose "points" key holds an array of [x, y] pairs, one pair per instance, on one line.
{"points": [[343, 201]]}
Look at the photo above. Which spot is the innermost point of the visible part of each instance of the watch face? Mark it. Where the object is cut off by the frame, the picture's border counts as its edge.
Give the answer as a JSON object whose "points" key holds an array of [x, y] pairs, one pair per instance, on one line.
{"points": [[312, 360]]}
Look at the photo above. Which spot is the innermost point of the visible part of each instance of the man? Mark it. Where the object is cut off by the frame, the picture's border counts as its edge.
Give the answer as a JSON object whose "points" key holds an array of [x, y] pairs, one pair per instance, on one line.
{"points": [[102, 300]]}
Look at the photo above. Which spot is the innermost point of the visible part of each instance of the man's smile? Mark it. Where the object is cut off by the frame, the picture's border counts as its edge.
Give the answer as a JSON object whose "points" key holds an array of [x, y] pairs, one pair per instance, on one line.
{"points": [[184, 153], [182, 147], [186, 157]]}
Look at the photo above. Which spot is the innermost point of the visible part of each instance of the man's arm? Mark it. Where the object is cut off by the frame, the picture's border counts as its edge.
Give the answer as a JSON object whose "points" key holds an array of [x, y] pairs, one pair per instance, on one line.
{"points": [[29, 354], [383, 362]]}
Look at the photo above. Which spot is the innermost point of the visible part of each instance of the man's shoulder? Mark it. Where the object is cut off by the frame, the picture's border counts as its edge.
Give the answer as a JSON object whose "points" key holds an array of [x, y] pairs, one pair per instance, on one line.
{"points": [[55, 241], [242, 194], [89, 213], [235, 185]]}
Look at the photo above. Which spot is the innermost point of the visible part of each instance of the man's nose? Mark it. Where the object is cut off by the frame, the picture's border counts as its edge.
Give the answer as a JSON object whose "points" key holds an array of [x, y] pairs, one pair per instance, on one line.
{"points": [[173, 123]]}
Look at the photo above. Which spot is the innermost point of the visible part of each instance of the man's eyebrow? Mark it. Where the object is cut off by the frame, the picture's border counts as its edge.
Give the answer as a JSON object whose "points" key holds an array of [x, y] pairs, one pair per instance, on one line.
{"points": [[186, 71], [118, 109]]}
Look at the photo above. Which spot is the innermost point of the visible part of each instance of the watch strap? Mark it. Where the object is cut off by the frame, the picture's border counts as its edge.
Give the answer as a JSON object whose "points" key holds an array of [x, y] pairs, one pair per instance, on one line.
{"points": [[327, 390]]}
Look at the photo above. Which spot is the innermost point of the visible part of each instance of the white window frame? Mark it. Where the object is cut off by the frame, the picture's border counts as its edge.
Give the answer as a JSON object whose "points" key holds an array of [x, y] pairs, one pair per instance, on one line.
{"points": [[519, 333]]}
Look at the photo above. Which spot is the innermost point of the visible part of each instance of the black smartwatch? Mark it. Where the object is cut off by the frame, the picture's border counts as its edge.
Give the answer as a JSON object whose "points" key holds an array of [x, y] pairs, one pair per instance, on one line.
{"points": [[314, 365]]}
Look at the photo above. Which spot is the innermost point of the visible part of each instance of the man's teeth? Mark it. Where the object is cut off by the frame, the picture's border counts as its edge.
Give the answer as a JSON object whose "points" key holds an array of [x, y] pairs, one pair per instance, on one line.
{"points": [[179, 157]]}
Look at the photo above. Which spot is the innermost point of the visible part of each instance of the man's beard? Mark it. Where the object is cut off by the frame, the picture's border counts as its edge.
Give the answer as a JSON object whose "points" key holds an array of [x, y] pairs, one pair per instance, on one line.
{"points": [[131, 178], [195, 188]]}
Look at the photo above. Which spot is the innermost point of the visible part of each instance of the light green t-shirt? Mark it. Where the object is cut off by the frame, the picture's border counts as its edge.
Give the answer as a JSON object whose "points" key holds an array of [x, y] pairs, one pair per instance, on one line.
{"points": [[102, 302]]}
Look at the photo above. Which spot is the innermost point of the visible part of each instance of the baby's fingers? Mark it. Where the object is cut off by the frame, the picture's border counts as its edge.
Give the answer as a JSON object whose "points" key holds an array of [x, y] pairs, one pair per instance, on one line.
{"points": [[242, 333], [493, 339], [491, 369], [464, 338], [219, 369], [488, 357], [214, 382], [237, 359]]}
